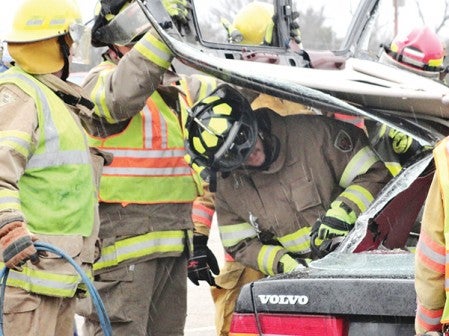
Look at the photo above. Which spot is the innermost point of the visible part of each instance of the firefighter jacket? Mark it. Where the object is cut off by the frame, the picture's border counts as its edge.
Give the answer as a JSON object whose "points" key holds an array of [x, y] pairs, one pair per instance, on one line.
{"points": [[263, 215], [431, 258], [146, 194], [47, 177]]}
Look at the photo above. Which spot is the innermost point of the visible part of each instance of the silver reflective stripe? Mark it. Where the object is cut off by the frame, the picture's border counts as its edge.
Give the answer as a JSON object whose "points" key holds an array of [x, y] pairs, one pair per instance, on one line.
{"points": [[121, 253], [427, 319], [58, 159], [432, 255], [144, 153], [233, 234], [359, 164], [147, 171], [47, 283], [148, 119], [155, 50]]}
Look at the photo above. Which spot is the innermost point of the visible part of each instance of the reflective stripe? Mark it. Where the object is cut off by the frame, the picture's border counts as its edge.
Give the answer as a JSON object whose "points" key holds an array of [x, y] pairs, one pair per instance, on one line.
{"points": [[233, 234], [431, 254], [266, 257], [18, 141], [298, 241], [358, 165], [202, 214], [359, 195], [46, 283], [154, 50], [58, 159], [428, 319], [9, 199], [98, 94], [140, 246], [393, 167]]}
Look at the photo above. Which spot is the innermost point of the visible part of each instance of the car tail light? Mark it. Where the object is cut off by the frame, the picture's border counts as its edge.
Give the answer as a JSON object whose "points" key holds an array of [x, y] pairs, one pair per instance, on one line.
{"points": [[286, 324]]}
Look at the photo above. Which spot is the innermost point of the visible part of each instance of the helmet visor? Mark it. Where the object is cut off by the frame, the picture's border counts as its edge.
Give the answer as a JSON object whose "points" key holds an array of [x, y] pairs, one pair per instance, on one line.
{"points": [[81, 47], [125, 26], [237, 148]]}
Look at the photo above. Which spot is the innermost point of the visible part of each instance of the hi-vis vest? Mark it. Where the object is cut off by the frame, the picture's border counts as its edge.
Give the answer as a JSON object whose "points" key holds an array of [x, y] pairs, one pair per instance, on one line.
{"points": [[148, 165], [56, 192]]}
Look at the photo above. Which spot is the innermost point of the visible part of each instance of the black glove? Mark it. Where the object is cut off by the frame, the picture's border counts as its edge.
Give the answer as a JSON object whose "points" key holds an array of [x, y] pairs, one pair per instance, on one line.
{"points": [[202, 263]]}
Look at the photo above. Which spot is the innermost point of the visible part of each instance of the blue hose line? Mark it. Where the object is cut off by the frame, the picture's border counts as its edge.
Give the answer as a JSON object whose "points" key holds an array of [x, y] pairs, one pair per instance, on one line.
{"points": [[101, 311]]}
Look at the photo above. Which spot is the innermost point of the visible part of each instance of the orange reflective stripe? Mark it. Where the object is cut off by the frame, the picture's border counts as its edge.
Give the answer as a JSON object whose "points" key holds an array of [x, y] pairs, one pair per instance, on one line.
{"points": [[202, 214], [431, 254], [228, 257], [429, 319], [157, 162], [155, 125]]}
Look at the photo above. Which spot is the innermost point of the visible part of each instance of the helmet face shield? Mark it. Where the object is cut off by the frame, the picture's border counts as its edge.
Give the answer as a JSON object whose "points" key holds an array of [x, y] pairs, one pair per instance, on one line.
{"points": [[128, 24], [236, 149], [81, 47], [222, 130]]}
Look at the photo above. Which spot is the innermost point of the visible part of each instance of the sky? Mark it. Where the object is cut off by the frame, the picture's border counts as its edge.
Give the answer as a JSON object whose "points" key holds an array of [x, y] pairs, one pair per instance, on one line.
{"points": [[9, 8]]}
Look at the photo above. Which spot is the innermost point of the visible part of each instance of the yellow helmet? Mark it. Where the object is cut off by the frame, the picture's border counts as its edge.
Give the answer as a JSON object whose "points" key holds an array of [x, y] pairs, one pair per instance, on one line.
{"points": [[253, 20], [37, 20]]}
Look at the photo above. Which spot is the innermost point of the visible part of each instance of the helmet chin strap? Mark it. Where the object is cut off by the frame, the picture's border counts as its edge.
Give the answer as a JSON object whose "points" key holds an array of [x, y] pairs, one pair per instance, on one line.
{"points": [[65, 51]]}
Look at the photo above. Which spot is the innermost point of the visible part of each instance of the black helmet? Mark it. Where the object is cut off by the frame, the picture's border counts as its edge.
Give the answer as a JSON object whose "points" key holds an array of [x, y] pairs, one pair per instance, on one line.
{"points": [[221, 130]]}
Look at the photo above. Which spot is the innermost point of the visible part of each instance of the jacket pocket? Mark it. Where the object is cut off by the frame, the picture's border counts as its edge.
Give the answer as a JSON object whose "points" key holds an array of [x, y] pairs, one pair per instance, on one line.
{"points": [[305, 195], [19, 301]]}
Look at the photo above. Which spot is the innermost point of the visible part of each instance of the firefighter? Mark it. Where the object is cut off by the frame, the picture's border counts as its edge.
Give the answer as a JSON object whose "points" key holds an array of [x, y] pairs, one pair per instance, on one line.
{"points": [[431, 275], [47, 178], [273, 184], [254, 24], [420, 52], [146, 194]]}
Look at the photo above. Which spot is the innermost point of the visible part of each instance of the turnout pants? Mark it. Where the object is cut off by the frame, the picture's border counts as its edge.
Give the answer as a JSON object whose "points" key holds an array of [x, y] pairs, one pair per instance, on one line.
{"points": [[231, 279], [148, 298]]}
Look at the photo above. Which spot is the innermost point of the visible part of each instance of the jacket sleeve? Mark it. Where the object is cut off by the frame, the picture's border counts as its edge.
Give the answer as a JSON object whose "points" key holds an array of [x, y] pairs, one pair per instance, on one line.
{"points": [[242, 241], [203, 211], [360, 172], [430, 263], [18, 137], [129, 83]]}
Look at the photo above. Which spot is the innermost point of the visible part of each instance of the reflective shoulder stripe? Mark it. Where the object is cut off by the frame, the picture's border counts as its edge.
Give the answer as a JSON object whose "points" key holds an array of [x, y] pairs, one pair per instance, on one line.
{"points": [[359, 164], [233, 234], [298, 241], [266, 258], [158, 242]]}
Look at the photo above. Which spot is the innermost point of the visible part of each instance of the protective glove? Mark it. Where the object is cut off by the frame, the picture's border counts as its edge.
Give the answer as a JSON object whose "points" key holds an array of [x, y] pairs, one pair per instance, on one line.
{"points": [[295, 33], [289, 264], [337, 222], [234, 35], [203, 263], [178, 10], [16, 243]]}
